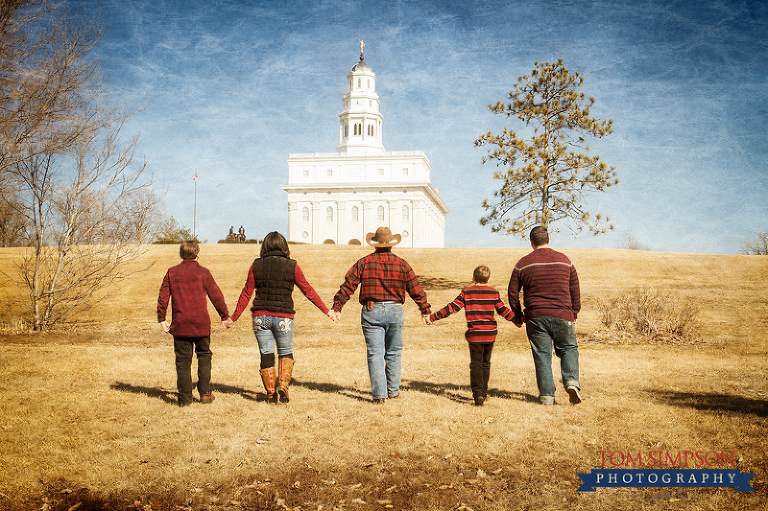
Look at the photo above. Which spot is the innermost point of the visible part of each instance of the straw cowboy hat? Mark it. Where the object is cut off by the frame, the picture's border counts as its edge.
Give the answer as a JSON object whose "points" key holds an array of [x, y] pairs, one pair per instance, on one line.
{"points": [[382, 238]]}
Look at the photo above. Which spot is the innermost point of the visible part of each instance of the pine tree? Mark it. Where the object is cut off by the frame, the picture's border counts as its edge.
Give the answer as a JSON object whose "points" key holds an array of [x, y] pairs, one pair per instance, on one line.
{"points": [[546, 176]]}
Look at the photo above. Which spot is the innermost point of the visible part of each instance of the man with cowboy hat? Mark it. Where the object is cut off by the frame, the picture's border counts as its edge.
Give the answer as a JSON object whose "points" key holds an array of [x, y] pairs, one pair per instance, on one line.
{"points": [[384, 278]]}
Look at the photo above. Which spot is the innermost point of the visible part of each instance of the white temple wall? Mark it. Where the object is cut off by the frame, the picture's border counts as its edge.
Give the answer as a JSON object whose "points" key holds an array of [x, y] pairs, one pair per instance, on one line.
{"points": [[342, 196]]}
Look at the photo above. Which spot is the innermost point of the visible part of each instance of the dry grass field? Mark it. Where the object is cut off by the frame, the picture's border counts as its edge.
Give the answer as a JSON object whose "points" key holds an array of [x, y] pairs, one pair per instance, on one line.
{"points": [[87, 415]]}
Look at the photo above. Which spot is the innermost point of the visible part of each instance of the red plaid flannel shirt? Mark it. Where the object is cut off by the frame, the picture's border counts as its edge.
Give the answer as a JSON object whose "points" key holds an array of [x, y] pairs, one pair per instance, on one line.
{"points": [[382, 277]]}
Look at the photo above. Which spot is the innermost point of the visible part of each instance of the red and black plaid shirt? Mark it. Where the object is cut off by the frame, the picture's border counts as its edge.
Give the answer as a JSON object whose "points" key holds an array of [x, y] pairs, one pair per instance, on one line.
{"points": [[382, 277]]}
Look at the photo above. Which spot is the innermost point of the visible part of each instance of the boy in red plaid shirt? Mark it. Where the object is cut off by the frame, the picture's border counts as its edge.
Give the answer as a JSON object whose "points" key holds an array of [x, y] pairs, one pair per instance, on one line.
{"points": [[384, 279], [479, 302]]}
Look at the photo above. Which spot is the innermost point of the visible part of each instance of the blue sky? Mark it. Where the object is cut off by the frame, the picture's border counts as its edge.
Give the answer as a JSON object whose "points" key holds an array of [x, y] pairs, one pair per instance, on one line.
{"points": [[233, 87]]}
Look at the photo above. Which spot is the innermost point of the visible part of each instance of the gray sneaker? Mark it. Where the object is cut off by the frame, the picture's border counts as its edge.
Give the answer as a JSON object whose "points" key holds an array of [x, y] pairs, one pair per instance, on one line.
{"points": [[573, 394]]}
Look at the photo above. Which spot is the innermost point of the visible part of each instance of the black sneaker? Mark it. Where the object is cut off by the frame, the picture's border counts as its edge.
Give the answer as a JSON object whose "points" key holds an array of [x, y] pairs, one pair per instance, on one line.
{"points": [[207, 399], [479, 401]]}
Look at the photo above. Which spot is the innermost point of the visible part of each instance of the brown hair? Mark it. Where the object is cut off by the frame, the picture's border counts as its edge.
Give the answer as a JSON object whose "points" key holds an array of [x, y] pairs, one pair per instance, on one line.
{"points": [[482, 274], [189, 250], [274, 242], [539, 236]]}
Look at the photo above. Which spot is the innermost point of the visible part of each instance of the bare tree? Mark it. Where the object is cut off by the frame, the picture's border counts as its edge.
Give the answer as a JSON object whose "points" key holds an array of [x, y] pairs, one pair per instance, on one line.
{"points": [[757, 246], [88, 207], [46, 77], [630, 242], [13, 225], [91, 212]]}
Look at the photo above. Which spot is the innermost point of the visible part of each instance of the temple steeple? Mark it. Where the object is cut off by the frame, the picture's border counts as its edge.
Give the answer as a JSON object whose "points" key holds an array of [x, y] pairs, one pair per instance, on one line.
{"points": [[341, 196], [360, 121]]}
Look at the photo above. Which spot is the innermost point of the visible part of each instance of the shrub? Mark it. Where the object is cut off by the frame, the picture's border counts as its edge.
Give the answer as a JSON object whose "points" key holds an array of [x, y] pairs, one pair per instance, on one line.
{"points": [[236, 241], [651, 313], [171, 233], [756, 246]]}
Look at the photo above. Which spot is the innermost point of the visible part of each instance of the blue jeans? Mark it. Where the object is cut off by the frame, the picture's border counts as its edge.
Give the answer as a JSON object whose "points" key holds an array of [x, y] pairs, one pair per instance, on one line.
{"points": [[271, 330], [543, 332], [383, 331]]}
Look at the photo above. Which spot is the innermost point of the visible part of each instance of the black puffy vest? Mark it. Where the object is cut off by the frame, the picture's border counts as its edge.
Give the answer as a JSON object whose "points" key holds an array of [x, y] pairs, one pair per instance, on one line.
{"points": [[274, 276]]}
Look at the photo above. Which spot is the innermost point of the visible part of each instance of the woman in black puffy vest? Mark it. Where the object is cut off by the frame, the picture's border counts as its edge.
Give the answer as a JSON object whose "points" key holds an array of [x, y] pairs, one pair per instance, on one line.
{"points": [[271, 279]]}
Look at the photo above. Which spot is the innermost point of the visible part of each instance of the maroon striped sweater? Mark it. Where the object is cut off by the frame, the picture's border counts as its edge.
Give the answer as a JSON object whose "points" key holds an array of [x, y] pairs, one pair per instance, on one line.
{"points": [[549, 283], [479, 302]]}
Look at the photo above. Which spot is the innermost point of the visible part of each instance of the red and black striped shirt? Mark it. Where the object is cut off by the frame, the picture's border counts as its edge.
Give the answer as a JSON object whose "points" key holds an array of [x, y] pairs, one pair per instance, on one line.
{"points": [[382, 277], [549, 283], [479, 302]]}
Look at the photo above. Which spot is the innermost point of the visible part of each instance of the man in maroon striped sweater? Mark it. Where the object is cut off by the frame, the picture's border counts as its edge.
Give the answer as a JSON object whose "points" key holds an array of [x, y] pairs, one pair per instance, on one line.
{"points": [[552, 299], [478, 301]]}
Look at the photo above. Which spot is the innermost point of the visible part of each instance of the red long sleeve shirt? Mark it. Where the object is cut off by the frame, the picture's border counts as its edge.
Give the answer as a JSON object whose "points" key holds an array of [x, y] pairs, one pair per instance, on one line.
{"points": [[479, 302], [299, 279], [187, 286], [549, 283]]}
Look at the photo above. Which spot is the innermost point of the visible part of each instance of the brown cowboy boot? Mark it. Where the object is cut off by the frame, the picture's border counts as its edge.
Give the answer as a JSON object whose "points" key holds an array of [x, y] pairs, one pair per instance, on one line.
{"points": [[268, 378], [286, 370]]}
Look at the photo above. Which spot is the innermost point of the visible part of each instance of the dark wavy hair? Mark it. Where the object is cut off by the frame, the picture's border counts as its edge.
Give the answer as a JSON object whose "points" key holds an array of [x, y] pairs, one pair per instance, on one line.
{"points": [[274, 242]]}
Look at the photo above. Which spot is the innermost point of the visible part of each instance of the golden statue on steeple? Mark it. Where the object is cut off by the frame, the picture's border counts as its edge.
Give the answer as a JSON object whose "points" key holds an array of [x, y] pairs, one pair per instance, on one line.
{"points": [[362, 45]]}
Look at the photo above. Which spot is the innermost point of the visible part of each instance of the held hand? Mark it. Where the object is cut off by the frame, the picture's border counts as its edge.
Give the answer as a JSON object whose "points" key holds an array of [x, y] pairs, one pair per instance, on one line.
{"points": [[166, 326], [227, 323], [425, 319], [332, 315], [338, 315]]}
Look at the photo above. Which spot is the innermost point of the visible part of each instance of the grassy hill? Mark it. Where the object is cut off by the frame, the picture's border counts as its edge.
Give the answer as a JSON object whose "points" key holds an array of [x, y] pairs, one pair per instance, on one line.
{"points": [[88, 415], [730, 290]]}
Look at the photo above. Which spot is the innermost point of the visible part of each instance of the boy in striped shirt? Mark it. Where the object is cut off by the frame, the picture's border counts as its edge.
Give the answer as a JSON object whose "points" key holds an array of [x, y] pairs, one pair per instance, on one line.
{"points": [[478, 301]]}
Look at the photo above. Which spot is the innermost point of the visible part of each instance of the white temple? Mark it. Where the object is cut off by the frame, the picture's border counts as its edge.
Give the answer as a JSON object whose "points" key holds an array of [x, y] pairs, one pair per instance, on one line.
{"points": [[339, 197]]}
